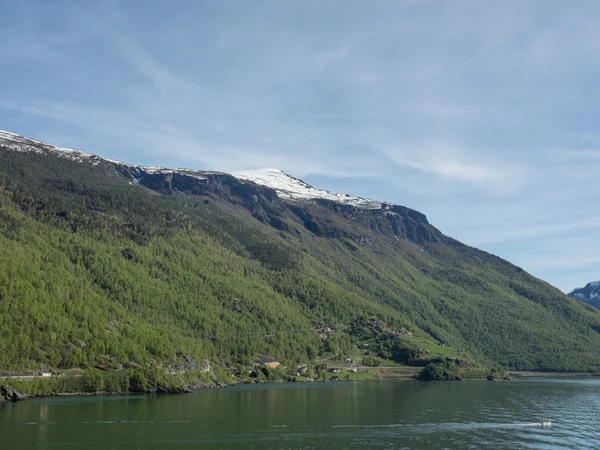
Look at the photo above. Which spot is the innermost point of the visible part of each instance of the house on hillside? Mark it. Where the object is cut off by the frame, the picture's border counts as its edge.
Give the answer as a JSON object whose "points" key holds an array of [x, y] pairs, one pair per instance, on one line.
{"points": [[268, 361], [302, 369]]}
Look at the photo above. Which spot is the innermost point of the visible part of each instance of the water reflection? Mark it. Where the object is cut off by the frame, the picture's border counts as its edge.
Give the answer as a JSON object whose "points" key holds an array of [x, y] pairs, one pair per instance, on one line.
{"points": [[43, 426]]}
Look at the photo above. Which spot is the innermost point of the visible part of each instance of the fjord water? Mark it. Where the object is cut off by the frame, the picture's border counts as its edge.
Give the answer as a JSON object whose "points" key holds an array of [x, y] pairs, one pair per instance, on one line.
{"points": [[470, 414]]}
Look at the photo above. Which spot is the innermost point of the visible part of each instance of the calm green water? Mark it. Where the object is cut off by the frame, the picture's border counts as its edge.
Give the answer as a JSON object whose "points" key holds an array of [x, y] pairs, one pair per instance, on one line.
{"points": [[380, 415]]}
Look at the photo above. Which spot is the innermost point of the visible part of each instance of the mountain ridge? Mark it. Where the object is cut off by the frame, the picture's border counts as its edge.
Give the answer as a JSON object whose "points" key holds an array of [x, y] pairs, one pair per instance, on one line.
{"points": [[287, 186]]}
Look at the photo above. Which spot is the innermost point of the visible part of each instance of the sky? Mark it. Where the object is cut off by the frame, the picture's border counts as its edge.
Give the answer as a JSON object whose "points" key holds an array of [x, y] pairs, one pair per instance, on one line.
{"points": [[481, 115]]}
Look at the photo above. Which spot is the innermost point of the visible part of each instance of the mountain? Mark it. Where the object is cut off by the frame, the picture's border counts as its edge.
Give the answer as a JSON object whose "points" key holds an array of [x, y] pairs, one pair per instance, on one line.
{"points": [[112, 265], [589, 294]]}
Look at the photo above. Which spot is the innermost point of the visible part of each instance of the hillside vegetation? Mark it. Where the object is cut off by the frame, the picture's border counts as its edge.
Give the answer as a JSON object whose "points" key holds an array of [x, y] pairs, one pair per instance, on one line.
{"points": [[99, 268]]}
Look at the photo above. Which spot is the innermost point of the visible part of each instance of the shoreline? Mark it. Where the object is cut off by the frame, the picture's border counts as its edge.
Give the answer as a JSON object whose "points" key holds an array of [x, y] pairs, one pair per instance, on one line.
{"points": [[407, 373], [404, 375], [24, 397], [187, 390], [533, 374]]}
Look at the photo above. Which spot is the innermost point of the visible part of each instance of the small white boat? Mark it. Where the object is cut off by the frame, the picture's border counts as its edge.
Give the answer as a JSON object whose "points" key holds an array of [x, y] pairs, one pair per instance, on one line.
{"points": [[545, 423]]}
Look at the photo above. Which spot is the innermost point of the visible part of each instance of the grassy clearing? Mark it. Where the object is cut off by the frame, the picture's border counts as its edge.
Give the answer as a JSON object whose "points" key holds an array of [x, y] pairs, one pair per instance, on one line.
{"points": [[434, 350]]}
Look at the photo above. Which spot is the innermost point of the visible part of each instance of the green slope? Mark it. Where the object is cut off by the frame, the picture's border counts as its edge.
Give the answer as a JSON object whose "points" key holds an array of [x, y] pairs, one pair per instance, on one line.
{"points": [[97, 271]]}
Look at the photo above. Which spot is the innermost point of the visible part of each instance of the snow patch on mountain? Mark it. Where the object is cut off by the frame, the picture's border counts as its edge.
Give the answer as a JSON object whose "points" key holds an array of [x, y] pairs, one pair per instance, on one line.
{"points": [[589, 294], [292, 188], [197, 174], [23, 144], [19, 143]]}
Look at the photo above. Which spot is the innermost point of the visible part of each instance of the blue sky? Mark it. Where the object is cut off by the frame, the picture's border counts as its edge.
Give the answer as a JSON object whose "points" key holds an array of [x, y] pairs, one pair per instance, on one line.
{"points": [[482, 115]]}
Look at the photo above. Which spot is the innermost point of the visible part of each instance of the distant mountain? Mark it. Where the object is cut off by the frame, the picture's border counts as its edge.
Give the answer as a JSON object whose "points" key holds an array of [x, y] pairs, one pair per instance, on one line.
{"points": [[110, 265], [588, 294]]}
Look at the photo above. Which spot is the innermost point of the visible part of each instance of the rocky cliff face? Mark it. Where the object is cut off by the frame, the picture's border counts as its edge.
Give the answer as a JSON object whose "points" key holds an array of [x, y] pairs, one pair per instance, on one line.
{"points": [[273, 207], [588, 294]]}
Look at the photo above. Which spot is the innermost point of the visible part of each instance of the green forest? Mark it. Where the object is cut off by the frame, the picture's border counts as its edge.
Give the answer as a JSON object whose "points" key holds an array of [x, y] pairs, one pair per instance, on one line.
{"points": [[99, 272]]}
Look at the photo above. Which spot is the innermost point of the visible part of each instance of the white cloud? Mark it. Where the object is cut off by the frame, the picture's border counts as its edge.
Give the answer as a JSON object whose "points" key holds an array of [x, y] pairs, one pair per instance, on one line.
{"points": [[458, 164]]}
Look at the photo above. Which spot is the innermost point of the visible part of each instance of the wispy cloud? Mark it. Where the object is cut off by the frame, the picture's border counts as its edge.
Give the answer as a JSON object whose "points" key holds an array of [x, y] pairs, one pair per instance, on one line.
{"points": [[562, 262], [587, 153], [458, 164], [491, 236]]}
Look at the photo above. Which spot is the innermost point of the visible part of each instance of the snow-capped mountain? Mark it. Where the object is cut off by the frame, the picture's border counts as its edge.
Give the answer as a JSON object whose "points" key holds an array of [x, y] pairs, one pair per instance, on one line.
{"points": [[588, 294], [286, 186]]}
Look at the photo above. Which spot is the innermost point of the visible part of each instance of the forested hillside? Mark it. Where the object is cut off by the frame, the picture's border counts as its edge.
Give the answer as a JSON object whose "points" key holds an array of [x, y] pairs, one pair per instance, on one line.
{"points": [[108, 265]]}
